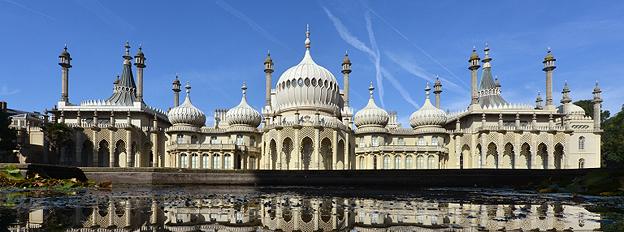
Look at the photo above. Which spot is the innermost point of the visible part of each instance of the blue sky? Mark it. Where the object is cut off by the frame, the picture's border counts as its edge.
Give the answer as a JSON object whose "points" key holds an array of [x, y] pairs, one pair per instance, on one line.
{"points": [[216, 45]]}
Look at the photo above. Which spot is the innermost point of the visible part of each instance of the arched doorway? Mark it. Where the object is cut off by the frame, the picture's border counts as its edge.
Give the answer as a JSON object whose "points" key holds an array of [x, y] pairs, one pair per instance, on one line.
{"points": [[307, 147], [491, 158], [340, 159], [542, 156], [326, 155], [86, 158], [272, 154], [508, 157], [286, 155], [420, 162], [465, 159], [432, 162], [103, 154], [558, 155], [525, 156], [120, 154]]}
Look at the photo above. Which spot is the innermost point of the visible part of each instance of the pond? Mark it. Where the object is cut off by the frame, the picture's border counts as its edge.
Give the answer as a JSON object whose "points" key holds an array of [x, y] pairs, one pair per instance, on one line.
{"points": [[205, 208]]}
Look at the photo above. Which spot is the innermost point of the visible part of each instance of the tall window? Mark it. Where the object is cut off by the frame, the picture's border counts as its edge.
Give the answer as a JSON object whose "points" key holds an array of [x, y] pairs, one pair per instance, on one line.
{"points": [[227, 161], [386, 162], [239, 140], [401, 141], [216, 162], [252, 163], [194, 139], [397, 162], [408, 162], [434, 140], [581, 143], [180, 139], [213, 140], [581, 163], [375, 141], [361, 161], [206, 161], [252, 141], [195, 161], [183, 161]]}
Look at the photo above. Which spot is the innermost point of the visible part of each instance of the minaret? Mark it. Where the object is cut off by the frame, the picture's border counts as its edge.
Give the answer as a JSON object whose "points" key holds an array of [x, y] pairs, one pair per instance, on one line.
{"points": [[139, 62], [437, 90], [346, 70], [268, 70], [65, 63], [538, 101], [565, 97], [549, 66], [473, 67], [597, 107], [176, 91]]}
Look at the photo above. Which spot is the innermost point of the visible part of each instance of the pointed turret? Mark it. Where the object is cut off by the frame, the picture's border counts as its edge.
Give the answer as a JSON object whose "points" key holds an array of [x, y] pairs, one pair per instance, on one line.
{"points": [[538, 101], [176, 91], [489, 90], [473, 67], [549, 67], [139, 62], [437, 90], [125, 93], [268, 70], [346, 71], [65, 63], [597, 107]]}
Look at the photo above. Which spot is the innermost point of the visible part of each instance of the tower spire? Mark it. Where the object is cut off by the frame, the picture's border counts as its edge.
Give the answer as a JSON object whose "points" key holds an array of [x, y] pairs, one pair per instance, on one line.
{"points": [[370, 90], [307, 41], [427, 89], [473, 67], [244, 90]]}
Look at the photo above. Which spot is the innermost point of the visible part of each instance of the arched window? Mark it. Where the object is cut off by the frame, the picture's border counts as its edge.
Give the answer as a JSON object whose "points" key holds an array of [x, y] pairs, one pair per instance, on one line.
{"points": [[227, 161], [216, 162], [194, 161], [194, 139], [361, 161], [434, 140], [581, 143], [421, 141], [397, 162], [386, 162], [581, 163], [375, 141], [408, 162], [239, 140], [180, 139], [183, 161], [205, 161], [252, 163]]}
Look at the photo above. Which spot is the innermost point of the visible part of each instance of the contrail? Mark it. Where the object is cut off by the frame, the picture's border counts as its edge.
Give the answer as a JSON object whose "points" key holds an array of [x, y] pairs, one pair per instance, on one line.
{"points": [[404, 93], [250, 22], [30, 9], [417, 47], [418, 71], [377, 57]]}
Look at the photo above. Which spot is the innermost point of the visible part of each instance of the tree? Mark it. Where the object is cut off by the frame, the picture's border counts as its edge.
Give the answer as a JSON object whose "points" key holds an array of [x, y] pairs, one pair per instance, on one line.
{"points": [[58, 135], [612, 148], [588, 106], [8, 137]]}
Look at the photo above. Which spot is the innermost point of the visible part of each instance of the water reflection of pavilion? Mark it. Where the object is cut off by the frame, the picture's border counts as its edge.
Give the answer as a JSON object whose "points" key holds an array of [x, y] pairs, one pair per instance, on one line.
{"points": [[294, 213]]}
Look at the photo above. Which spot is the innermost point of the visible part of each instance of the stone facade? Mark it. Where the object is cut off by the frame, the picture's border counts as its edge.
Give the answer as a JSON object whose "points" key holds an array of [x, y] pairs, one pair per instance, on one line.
{"points": [[308, 124]]}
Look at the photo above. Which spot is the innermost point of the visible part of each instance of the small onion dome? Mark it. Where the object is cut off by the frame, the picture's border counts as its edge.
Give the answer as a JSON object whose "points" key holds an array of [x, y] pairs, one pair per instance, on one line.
{"points": [[243, 114], [428, 115], [187, 113], [474, 55], [371, 115], [64, 53]]}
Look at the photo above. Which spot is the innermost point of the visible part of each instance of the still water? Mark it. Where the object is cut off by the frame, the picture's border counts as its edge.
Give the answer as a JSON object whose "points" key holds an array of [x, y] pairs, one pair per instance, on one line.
{"points": [[304, 209]]}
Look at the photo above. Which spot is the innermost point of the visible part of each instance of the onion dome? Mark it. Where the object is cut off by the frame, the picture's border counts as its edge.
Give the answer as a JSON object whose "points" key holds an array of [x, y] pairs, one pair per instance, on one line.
{"points": [[307, 86], [371, 115], [64, 53], [427, 115], [187, 113], [243, 114], [567, 107], [573, 109]]}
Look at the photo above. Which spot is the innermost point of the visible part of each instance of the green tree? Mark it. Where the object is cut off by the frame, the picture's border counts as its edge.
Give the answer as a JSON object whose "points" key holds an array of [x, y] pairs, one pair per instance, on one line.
{"points": [[8, 137], [612, 148], [588, 106], [58, 135]]}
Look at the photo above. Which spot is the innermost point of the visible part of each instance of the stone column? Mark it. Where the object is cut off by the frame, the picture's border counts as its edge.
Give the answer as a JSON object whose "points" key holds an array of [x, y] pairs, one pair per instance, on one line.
{"points": [[316, 153], [347, 154], [78, 148], [297, 151], [96, 155], [129, 152], [111, 149], [334, 149]]}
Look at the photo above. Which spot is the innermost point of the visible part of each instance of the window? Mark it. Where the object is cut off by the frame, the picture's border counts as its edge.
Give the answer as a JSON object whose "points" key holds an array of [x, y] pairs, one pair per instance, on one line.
{"points": [[205, 161], [421, 141], [361, 161], [252, 141], [252, 163], [216, 162], [194, 139], [434, 140], [375, 141], [581, 143], [239, 140], [581, 163], [195, 161], [180, 139], [227, 161], [183, 161], [213, 140], [397, 162], [386, 162], [408, 162], [401, 141]]}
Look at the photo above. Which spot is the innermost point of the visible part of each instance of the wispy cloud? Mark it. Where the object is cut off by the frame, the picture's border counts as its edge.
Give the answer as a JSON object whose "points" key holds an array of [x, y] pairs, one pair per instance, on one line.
{"points": [[436, 61], [6, 91], [373, 54], [256, 27], [408, 64], [30, 9]]}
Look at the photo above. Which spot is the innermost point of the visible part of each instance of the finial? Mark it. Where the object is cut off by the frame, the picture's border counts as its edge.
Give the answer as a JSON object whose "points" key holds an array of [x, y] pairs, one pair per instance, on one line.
{"points": [[244, 88], [140, 46], [370, 89], [65, 48], [127, 46], [427, 89], [269, 53], [487, 47], [307, 41], [188, 87]]}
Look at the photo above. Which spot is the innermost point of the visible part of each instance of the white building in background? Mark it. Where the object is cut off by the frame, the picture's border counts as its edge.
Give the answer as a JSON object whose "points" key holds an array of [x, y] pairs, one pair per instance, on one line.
{"points": [[307, 123]]}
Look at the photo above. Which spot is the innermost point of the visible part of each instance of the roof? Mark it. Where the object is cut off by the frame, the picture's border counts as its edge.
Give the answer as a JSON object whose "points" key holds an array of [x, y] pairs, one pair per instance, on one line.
{"points": [[124, 92], [492, 90]]}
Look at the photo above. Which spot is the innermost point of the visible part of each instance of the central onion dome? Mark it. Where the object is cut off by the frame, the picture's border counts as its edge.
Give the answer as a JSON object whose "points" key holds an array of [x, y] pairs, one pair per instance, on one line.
{"points": [[243, 114], [307, 86], [427, 115], [371, 115], [187, 113]]}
